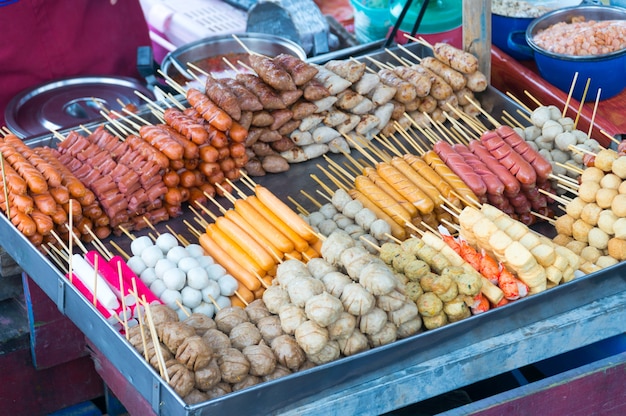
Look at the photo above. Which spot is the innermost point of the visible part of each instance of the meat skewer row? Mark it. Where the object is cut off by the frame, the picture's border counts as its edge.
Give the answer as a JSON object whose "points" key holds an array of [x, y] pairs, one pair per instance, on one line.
{"points": [[190, 149], [21, 202], [406, 187], [186, 125], [162, 141], [209, 111], [246, 100], [542, 167], [300, 244], [417, 164], [382, 199], [389, 190], [300, 71], [272, 73], [440, 89], [265, 94], [460, 167], [493, 183], [34, 179], [455, 79], [455, 58], [347, 69], [147, 150], [405, 91], [509, 158], [510, 182], [14, 181], [420, 81], [455, 182], [223, 96], [52, 175], [22, 221]]}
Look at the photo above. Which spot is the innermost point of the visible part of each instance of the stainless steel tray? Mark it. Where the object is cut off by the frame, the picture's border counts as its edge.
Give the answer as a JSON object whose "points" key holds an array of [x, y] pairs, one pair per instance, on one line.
{"points": [[298, 393]]}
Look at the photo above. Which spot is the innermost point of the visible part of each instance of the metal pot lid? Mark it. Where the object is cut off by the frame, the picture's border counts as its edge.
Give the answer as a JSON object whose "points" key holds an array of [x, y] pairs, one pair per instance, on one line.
{"points": [[70, 102]]}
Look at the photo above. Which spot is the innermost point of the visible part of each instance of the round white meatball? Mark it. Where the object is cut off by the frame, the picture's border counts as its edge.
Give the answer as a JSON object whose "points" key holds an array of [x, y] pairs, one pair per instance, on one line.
{"points": [[183, 313], [197, 278], [211, 291], [177, 253], [148, 276], [228, 285], [195, 250], [188, 263], [150, 255], [139, 244], [223, 302], [171, 298], [205, 308], [174, 279], [205, 261], [162, 266], [352, 208], [136, 264], [215, 271], [166, 241], [191, 297]]}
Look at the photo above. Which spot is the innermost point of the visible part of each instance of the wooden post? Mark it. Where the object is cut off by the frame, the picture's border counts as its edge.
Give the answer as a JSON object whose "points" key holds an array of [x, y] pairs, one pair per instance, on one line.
{"points": [[477, 32]]}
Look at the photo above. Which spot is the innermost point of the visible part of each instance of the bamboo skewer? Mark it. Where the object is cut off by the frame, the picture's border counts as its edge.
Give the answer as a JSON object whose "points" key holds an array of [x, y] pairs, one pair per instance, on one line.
{"points": [[543, 217], [140, 319], [5, 187], [520, 103], [183, 308], [78, 242], [123, 298], [593, 114], [155, 342], [535, 100], [310, 197], [323, 195], [119, 250], [99, 244], [569, 94], [613, 139], [582, 102]]}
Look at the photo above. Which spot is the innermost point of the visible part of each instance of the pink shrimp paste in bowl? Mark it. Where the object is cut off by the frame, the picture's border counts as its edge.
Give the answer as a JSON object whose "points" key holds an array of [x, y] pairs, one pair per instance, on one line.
{"points": [[590, 40]]}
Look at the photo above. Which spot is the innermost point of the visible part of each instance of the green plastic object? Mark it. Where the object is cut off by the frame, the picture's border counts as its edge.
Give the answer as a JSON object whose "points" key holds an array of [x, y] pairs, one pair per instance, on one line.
{"points": [[370, 23], [440, 15]]}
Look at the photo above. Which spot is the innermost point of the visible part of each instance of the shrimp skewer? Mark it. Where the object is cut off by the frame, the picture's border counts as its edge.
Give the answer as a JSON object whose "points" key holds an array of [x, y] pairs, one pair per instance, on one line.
{"points": [[512, 287]]}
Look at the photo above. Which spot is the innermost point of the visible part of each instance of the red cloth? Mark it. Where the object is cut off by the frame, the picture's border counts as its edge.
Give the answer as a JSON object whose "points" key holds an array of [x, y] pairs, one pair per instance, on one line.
{"points": [[43, 40]]}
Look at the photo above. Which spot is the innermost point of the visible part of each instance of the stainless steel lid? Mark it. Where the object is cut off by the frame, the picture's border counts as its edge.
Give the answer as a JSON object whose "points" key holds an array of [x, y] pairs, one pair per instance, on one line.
{"points": [[70, 102]]}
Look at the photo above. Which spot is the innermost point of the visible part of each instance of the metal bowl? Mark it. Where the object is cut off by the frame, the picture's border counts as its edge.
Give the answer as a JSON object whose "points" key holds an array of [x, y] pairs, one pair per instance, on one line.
{"points": [[503, 24], [212, 49], [606, 71]]}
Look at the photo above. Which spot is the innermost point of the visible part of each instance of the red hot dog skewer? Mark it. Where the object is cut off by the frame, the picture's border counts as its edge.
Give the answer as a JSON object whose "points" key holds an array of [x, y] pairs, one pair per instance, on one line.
{"points": [[542, 167], [492, 182], [509, 158], [458, 165], [511, 184]]}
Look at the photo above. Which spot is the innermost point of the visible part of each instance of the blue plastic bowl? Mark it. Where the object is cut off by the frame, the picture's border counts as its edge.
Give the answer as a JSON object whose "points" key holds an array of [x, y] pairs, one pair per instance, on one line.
{"points": [[607, 72], [502, 27]]}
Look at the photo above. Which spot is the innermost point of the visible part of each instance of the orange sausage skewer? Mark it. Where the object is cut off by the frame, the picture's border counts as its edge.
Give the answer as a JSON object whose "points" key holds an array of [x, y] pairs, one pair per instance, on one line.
{"points": [[283, 211], [234, 267], [253, 231], [261, 214], [241, 237]]}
